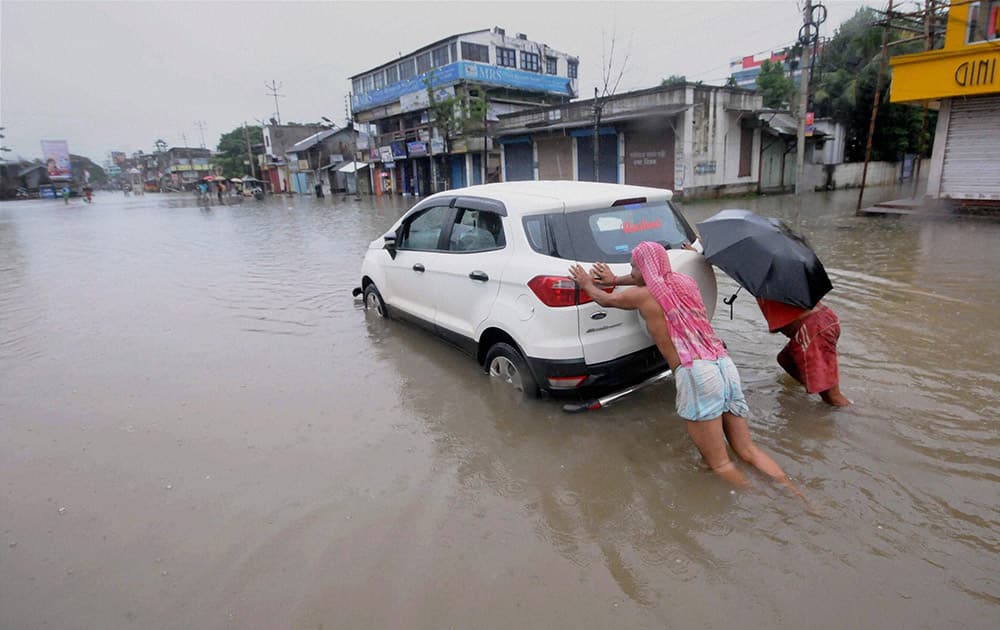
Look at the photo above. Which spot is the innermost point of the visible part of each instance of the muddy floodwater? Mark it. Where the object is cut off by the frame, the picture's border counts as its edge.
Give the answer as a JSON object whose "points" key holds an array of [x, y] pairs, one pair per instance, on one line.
{"points": [[200, 428]]}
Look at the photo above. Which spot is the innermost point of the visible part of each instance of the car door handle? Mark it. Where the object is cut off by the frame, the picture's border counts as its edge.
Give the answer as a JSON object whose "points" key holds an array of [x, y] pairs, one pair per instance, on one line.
{"points": [[418, 267], [479, 275]]}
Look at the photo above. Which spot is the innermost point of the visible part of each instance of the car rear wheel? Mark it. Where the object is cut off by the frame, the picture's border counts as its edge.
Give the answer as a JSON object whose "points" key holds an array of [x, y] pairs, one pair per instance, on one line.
{"points": [[505, 363], [374, 302]]}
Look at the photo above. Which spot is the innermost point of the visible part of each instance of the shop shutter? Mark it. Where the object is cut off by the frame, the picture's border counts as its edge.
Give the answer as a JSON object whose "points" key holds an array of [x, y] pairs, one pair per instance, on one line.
{"points": [[649, 157], [518, 164], [555, 158], [972, 149]]}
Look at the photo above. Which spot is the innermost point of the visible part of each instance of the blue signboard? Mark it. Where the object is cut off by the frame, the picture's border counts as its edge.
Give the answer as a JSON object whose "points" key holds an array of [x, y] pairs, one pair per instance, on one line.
{"points": [[398, 150], [416, 149], [464, 70]]}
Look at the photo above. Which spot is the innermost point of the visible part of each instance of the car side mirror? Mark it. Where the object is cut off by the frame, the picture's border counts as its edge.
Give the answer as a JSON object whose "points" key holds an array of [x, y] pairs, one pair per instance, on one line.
{"points": [[390, 245]]}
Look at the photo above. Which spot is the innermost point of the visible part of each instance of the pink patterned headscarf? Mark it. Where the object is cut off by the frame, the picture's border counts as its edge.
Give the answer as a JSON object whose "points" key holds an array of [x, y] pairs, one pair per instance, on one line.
{"points": [[682, 305]]}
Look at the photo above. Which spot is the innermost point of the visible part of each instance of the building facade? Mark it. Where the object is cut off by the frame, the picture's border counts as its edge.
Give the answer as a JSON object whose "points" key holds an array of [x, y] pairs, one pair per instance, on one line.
{"points": [[433, 110], [278, 140], [963, 80], [186, 166], [696, 140]]}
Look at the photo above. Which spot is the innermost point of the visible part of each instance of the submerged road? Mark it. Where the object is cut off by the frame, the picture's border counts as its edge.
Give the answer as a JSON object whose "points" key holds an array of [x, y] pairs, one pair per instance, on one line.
{"points": [[199, 428]]}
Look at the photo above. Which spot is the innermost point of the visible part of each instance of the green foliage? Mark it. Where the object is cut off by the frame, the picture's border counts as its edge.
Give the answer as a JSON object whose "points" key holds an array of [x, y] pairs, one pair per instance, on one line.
{"points": [[232, 150], [776, 88], [844, 89], [455, 115], [674, 79]]}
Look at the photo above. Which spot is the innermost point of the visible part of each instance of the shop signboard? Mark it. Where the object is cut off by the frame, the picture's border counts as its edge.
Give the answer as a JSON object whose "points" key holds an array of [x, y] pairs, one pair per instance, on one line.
{"points": [[810, 126], [455, 72], [385, 153], [398, 150], [56, 156], [416, 149], [437, 145]]}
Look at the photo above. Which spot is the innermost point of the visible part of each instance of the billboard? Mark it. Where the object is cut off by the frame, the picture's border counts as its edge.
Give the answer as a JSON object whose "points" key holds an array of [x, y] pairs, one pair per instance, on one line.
{"points": [[56, 156]]}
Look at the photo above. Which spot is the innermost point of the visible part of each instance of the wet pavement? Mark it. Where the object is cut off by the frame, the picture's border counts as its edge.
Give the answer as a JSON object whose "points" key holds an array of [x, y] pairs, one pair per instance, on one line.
{"points": [[199, 428]]}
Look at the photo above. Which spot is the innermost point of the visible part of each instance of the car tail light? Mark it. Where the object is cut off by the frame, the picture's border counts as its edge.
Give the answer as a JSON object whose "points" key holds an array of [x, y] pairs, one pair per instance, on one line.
{"points": [[566, 382], [559, 291]]}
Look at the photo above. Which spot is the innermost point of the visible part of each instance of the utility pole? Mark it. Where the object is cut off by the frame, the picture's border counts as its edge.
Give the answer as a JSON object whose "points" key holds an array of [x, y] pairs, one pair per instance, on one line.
{"points": [[272, 89], [200, 124], [246, 135], [928, 44], [878, 97], [597, 136], [486, 151], [806, 41]]}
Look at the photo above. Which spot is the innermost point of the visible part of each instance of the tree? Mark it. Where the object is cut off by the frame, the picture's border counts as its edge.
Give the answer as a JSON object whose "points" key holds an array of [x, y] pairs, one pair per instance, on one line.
{"points": [[844, 90], [674, 79], [777, 88], [232, 149]]}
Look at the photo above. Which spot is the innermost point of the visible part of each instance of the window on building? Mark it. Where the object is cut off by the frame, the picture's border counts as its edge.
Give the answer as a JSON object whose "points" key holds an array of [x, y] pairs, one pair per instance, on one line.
{"points": [[440, 56], [366, 83], [984, 21], [475, 52], [453, 51], [379, 80], [506, 57], [423, 62], [391, 75], [530, 61], [571, 69], [406, 70], [357, 86], [551, 65]]}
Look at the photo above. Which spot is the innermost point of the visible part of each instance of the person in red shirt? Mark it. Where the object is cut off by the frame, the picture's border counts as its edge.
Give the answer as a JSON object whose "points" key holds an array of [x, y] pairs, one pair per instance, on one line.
{"points": [[810, 356]]}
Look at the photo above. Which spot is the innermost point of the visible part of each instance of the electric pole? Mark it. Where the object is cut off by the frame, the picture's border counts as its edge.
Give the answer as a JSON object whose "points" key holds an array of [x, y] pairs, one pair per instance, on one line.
{"points": [[246, 135], [597, 136], [805, 40], [200, 124], [878, 97], [272, 89]]}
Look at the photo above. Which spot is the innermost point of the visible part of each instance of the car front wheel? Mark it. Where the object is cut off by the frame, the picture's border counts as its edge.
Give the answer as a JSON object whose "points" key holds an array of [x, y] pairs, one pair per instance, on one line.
{"points": [[504, 362], [374, 302]]}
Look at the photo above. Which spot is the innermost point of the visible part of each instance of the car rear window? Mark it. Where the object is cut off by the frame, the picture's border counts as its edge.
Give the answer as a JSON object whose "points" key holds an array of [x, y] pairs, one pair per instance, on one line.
{"points": [[608, 234]]}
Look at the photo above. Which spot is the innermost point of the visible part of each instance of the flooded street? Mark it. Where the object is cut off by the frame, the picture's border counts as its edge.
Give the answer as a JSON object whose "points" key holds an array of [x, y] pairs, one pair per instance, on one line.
{"points": [[200, 428]]}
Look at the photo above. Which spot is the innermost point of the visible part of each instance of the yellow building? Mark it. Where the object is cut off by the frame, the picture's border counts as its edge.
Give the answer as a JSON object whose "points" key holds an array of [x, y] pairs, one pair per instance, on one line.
{"points": [[963, 79]]}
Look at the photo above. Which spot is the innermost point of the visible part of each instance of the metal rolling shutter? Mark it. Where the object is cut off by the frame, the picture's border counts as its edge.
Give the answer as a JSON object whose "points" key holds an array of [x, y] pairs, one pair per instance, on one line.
{"points": [[555, 158], [971, 168], [649, 157], [519, 164]]}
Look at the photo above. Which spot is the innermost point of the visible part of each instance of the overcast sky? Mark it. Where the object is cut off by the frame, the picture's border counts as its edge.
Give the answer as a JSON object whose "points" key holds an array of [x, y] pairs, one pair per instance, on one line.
{"points": [[118, 75]]}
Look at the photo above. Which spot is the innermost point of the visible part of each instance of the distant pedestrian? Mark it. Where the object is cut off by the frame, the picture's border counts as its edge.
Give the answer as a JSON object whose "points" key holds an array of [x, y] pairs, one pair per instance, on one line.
{"points": [[203, 191], [220, 187], [65, 195]]}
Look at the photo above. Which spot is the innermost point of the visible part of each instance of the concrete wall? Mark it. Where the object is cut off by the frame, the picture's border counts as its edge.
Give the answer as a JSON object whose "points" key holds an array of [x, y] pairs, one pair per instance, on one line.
{"points": [[848, 174]]}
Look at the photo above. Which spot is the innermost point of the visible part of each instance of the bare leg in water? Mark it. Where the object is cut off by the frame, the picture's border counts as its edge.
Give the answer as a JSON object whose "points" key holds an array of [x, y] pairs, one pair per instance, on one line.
{"points": [[708, 436], [738, 434]]}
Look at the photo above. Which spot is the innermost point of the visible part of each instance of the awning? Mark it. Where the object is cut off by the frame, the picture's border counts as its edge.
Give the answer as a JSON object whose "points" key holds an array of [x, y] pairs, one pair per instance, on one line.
{"points": [[352, 167], [646, 112]]}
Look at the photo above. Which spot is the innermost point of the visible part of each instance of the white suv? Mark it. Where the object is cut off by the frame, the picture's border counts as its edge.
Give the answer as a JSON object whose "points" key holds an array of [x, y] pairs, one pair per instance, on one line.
{"points": [[485, 267]]}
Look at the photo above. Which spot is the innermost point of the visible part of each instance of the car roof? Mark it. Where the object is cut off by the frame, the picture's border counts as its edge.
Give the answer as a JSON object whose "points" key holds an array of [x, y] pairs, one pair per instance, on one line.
{"points": [[532, 196]]}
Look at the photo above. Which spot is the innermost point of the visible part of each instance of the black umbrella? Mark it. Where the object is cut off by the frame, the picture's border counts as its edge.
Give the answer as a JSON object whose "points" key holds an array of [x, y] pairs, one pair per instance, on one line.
{"points": [[765, 257]]}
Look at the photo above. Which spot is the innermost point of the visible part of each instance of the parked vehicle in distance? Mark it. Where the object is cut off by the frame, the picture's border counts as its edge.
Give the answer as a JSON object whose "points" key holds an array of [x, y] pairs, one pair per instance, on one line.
{"points": [[485, 268]]}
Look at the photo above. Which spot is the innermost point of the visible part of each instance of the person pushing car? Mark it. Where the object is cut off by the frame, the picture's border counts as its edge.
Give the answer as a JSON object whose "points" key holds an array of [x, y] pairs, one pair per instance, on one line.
{"points": [[709, 395]]}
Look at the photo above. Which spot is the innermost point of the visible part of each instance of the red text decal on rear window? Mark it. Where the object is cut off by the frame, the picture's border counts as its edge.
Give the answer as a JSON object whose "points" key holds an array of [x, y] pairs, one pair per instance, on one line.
{"points": [[630, 228]]}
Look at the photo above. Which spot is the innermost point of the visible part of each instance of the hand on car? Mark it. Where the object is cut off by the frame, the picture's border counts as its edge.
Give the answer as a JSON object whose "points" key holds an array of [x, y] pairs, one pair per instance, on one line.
{"points": [[602, 273], [580, 276]]}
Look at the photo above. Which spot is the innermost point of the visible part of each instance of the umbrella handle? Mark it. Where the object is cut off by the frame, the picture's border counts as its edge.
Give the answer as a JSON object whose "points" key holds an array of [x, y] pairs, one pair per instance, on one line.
{"points": [[729, 301]]}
